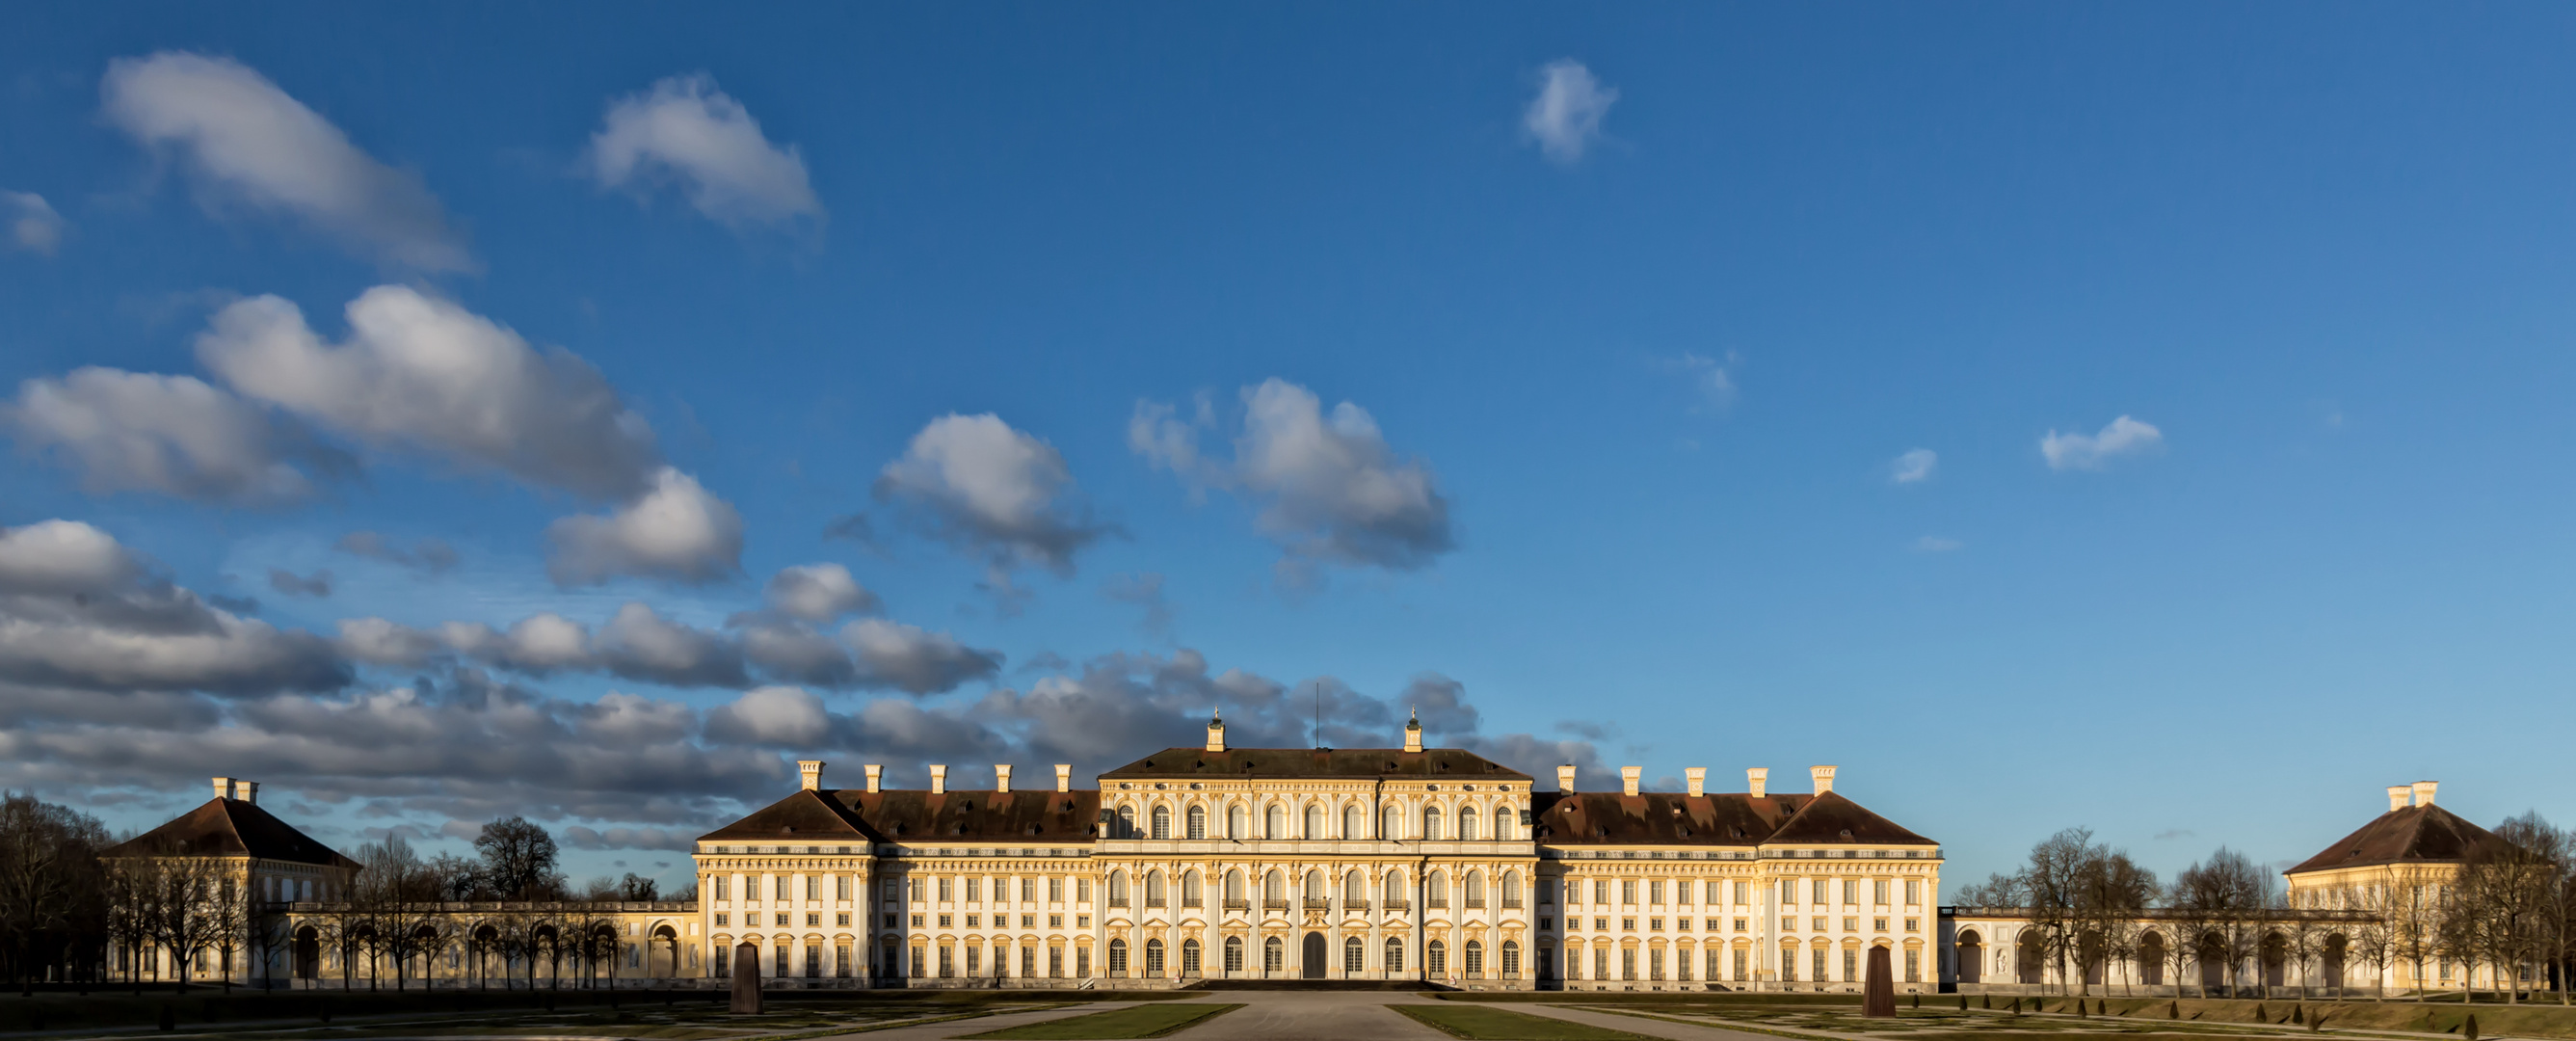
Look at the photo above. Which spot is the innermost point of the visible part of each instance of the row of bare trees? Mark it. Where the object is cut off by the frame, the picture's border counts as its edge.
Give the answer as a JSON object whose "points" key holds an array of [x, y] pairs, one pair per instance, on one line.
{"points": [[2509, 908]]}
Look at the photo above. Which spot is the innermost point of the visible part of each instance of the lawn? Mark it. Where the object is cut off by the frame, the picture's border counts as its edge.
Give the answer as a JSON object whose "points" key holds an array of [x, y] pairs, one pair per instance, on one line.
{"points": [[1139, 1021], [1481, 1023]]}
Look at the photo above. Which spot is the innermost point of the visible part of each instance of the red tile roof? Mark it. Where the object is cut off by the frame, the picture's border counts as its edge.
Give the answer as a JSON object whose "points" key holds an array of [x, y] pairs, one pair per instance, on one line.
{"points": [[231, 828], [2410, 834]]}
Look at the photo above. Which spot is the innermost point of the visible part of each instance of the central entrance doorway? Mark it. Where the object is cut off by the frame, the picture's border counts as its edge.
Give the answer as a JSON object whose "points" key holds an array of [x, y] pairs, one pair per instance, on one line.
{"points": [[1314, 956]]}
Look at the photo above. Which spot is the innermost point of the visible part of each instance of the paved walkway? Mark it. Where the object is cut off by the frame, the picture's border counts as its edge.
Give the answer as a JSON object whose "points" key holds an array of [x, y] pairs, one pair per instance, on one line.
{"points": [[1664, 1028], [1313, 1015]]}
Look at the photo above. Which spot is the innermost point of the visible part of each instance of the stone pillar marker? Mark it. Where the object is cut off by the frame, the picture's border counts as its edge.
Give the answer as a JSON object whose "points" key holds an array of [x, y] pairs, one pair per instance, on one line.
{"points": [[1878, 995], [746, 980]]}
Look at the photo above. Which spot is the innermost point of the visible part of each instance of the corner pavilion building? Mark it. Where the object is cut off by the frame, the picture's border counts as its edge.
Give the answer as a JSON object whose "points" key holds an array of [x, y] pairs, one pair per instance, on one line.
{"points": [[1388, 864]]}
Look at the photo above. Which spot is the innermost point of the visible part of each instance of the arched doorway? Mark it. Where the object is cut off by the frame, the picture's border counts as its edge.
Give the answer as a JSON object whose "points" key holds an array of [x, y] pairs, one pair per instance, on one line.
{"points": [[2336, 947], [1314, 967], [2029, 957], [1972, 957], [308, 953], [2151, 959], [2276, 960], [2213, 964], [664, 962]]}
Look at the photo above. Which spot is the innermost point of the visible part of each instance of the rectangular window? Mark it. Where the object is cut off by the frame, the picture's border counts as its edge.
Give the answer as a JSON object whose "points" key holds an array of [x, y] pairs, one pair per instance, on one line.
{"points": [[1913, 892], [1681, 893], [1655, 893], [1681, 966], [1851, 924], [974, 920], [1851, 891], [841, 961], [947, 890], [813, 921], [974, 890], [1028, 890], [778, 888], [1082, 895], [945, 919], [813, 963], [1913, 925], [1788, 892], [1878, 892], [1851, 966], [1820, 965], [1627, 925], [919, 966], [720, 918], [724, 961], [920, 890], [842, 919], [724, 887], [948, 961], [1913, 966], [813, 887], [840, 887], [1547, 891], [1082, 962], [1600, 891], [1655, 964], [1055, 921], [1654, 925], [1055, 890], [1739, 965], [1628, 891], [1821, 893], [1628, 964], [782, 918], [780, 961], [1878, 925], [1600, 963], [1028, 961], [1743, 895], [974, 959]]}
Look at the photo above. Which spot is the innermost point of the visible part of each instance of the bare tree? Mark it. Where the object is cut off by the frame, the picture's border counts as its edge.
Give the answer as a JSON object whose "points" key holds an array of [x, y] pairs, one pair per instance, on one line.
{"points": [[180, 888], [53, 891], [2368, 940], [519, 860], [2416, 924], [2502, 895], [2232, 896], [227, 915]]}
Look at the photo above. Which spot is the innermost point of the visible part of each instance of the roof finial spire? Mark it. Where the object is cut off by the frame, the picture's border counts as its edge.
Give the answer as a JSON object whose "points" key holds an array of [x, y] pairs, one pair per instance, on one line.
{"points": [[1413, 732]]}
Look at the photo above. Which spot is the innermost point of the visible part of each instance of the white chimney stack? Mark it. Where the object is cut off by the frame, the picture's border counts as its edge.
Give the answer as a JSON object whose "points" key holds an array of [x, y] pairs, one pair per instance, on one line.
{"points": [[1697, 777], [2397, 794], [876, 777], [1064, 777], [250, 792], [1628, 776], [1001, 777], [938, 780], [1824, 776], [1565, 778], [1757, 780], [223, 787], [2424, 792], [812, 769]]}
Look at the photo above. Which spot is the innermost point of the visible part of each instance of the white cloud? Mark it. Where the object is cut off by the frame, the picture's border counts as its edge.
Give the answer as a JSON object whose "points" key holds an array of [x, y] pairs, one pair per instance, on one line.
{"points": [[685, 130], [1914, 467], [915, 660], [174, 435], [817, 593], [640, 644], [1565, 118], [1333, 490], [993, 491], [422, 373], [1936, 544], [247, 143], [63, 558], [430, 555], [678, 531], [780, 716], [1710, 380], [33, 224], [2124, 436]]}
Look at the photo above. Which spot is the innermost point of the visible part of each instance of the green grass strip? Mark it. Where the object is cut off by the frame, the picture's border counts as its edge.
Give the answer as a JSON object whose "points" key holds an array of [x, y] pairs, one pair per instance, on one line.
{"points": [[1138, 1021], [1483, 1023]]}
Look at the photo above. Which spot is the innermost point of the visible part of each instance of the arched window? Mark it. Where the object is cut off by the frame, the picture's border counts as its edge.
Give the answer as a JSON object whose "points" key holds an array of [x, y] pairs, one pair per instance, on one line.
{"points": [[1198, 822], [1189, 957], [1154, 956], [1394, 890], [1236, 822], [1354, 955], [1512, 959], [1118, 956], [1394, 954], [1234, 954], [1503, 824], [1435, 958], [1274, 824], [1162, 822], [1475, 889], [1274, 955], [1190, 894], [1512, 888], [1435, 890], [1430, 823], [1393, 827], [1355, 889], [1475, 956], [1274, 887], [1154, 894], [1315, 821], [1126, 822], [1466, 824], [1315, 885], [1234, 895], [1354, 822], [1117, 889]]}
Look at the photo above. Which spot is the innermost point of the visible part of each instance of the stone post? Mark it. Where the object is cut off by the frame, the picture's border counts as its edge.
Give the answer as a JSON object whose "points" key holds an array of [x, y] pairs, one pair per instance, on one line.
{"points": [[746, 979], [1878, 995]]}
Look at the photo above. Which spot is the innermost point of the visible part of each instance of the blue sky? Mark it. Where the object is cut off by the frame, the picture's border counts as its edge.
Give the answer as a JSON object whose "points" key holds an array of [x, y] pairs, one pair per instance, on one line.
{"points": [[1618, 479]]}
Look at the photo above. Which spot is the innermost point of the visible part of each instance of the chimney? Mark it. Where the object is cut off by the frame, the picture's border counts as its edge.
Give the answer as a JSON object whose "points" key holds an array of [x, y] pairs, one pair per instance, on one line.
{"points": [[1565, 778], [250, 792], [1824, 776], [1413, 733], [2397, 794], [1001, 777], [1628, 779], [2424, 792], [938, 780], [1064, 777], [1698, 778], [876, 777], [1756, 780], [1216, 732], [813, 771], [223, 787]]}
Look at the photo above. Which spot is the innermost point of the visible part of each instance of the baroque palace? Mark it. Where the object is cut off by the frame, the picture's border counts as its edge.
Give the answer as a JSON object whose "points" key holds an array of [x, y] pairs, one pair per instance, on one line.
{"points": [[1433, 865]]}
